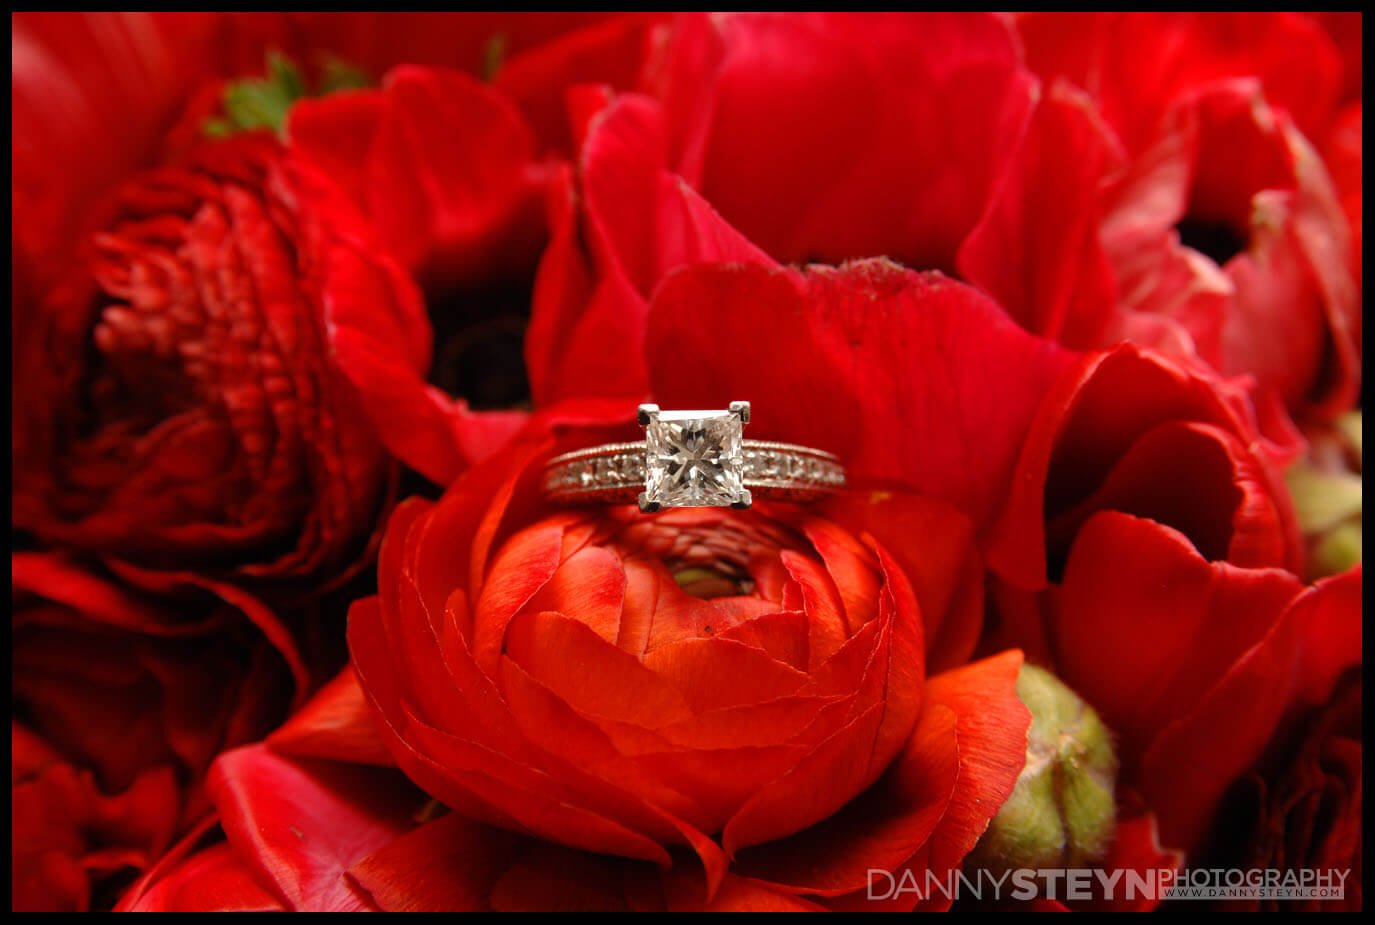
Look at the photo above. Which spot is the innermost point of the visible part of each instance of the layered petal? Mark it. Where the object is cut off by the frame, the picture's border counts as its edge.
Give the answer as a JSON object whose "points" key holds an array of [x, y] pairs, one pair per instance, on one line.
{"points": [[946, 360], [826, 84], [299, 824], [443, 165], [1100, 440]]}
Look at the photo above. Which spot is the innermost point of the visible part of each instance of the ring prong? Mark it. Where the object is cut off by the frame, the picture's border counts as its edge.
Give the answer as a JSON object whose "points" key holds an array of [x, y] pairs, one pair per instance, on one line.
{"points": [[744, 501], [647, 506], [741, 408], [646, 413]]}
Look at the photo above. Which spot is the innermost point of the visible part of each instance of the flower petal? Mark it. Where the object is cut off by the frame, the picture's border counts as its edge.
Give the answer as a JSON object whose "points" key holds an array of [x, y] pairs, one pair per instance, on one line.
{"points": [[298, 825], [336, 725], [214, 880], [945, 359], [448, 865], [880, 829], [1146, 625]]}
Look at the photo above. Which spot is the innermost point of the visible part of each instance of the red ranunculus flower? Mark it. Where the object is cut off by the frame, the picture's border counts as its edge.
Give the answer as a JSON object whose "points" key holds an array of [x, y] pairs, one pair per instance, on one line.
{"points": [[1126, 431], [141, 86], [118, 707], [702, 165], [689, 691], [185, 408], [116, 81], [1147, 554], [1222, 226], [443, 165], [565, 685], [1051, 285], [107, 82], [1308, 815], [1130, 430], [495, 616], [1061, 203]]}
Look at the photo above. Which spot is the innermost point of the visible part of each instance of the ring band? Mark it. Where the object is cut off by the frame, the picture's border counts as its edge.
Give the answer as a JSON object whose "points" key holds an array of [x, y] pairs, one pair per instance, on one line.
{"points": [[692, 459]]}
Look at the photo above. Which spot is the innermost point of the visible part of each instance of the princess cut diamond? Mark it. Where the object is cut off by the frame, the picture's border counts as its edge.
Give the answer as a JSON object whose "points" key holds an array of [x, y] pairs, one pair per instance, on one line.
{"points": [[695, 458]]}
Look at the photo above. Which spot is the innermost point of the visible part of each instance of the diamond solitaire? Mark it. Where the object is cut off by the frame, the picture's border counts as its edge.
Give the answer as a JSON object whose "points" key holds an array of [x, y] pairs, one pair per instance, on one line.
{"points": [[692, 459]]}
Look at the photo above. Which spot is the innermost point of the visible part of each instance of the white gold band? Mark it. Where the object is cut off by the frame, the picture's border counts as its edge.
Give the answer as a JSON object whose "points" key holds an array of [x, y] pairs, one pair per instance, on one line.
{"points": [[615, 473]]}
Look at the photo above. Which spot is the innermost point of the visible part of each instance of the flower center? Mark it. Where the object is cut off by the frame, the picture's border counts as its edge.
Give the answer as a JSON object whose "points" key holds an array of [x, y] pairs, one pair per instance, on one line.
{"points": [[1218, 241], [707, 583]]}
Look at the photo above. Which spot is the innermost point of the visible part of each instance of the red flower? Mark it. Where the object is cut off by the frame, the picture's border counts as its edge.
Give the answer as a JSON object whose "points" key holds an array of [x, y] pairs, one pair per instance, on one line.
{"points": [[830, 136], [138, 86], [1129, 430], [238, 314], [443, 165], [701, 709], [484, 597], [584, 697], [67, 831], [623, 767], [452, 170], [918, 382], [1217, 659], [119, 706], [686, 176], [1221, 224], [115, 82], [1159, 545], [101, 82], [1308, 816]]}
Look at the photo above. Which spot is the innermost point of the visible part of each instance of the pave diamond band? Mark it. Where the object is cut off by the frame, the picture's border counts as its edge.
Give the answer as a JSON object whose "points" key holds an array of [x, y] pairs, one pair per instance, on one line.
{"points": [[615, 473], [692, 459]]}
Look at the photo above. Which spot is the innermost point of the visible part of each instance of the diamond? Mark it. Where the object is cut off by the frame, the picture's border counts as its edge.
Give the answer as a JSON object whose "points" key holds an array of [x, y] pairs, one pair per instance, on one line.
{"points": [[694, 458], [632, 468]]}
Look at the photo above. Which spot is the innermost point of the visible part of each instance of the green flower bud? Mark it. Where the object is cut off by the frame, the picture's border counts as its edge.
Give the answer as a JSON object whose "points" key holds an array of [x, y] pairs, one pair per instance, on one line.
{"points": [[1327, 492], [1062, 809]]}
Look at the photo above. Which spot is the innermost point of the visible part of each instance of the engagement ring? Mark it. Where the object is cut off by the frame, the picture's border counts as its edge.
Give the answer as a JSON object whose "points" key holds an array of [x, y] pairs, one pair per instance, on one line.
{"points": [[692, 459]]}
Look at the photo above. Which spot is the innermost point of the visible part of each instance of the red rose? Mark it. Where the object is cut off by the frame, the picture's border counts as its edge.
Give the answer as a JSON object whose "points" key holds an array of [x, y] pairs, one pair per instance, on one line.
{"points": [[119, 706]]}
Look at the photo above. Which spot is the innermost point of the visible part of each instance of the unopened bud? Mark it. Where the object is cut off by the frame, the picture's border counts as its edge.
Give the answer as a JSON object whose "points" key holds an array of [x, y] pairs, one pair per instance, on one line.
{"points": [[1327, 493], [1062, 809]]}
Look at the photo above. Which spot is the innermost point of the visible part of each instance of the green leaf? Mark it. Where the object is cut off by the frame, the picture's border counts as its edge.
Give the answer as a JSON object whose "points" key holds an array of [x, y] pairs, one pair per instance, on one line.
{"points": [[262, 103]]}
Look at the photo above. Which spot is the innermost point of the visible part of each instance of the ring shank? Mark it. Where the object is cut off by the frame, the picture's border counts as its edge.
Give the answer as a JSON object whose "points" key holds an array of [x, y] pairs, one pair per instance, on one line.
{"points": [[614, 473]]}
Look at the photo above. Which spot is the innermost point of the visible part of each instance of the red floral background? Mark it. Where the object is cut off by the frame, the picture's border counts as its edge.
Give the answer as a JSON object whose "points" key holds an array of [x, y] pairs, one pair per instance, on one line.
{"points": [[302, 303]]}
